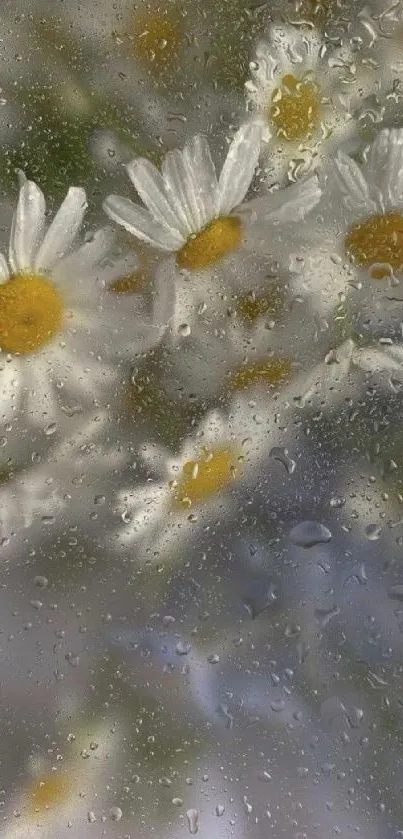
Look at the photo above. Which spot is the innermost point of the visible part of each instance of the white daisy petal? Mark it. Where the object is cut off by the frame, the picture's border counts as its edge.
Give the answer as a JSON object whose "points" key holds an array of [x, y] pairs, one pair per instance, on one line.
{"points": [[294, 202], [140, 223], [27, 226], [4, 270], [84, 259], [203, 166], [175, 175], [239, 167], [63, 229], [386, 160], [192, 191], [150, 186], [353, 184]]}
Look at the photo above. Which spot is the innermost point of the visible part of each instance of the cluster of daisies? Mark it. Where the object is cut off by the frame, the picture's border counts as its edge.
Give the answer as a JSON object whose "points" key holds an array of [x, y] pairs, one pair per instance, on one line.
{"points": [[235, 279]]}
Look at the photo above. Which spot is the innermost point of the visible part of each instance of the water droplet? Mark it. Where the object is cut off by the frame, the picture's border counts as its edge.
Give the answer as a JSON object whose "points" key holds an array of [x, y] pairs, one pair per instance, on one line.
{"points": [[219, 810], [213, 658], [50, 429], [248, 807], [184, 330], [48, 520], [259, 595], [182, 648], [277, 705], [307, 534], [323, 616], [177, 802], [277, 453], [91, 817], [41, 582], [373, 532], [223, 710], [193, 820], [337, 502], [115, 814]]}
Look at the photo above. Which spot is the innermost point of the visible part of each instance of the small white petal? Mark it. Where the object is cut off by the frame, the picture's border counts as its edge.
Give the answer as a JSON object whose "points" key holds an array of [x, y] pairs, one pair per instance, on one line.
{"points": [[294, 202], [83, 262], [4, 270], [353, 185], [27, 226], [385, 166], [63, 229], [239, 167], [180, 190], [198, 152], [150, 186], [140, 223]]}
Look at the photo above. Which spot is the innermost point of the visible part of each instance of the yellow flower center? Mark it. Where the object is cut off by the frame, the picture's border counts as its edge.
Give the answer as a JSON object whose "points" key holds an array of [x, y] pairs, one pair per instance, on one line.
{"points": [[48, 792], [250, 308], [157, 39], [379, 239], [295, 109], [269, 373], [31, 313], [129, 284], [205, 477], [222, 236]]}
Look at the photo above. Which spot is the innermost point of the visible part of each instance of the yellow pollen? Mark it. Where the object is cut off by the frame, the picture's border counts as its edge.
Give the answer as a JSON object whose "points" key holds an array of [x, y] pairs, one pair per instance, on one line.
{"points": [[48, 792], [379, 239], [250, 308], [295, 109], [31, 313], [129, 284], [157, 39], [222, 236], [269, 373], [205, 477]]}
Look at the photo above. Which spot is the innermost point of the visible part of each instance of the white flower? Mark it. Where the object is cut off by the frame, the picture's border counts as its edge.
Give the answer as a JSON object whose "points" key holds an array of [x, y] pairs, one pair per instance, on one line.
{"points": [[201, 220], [68, 483], [69, 792], [255, 343], [184, 492], [357, 239], [60, 323], [304, 93]]}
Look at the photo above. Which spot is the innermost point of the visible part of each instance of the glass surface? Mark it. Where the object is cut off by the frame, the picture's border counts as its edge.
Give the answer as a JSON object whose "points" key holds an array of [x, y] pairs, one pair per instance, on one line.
{"points": [[201, 336]]}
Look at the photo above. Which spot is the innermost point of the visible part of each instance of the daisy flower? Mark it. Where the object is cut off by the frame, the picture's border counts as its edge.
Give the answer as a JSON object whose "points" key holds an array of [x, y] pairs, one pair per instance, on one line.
{"points": [[304, 94], [186, 491], [201, 222], [60, 322], [71, 792], [357, 240], [196, 488], [256, 342], [74, 473]]}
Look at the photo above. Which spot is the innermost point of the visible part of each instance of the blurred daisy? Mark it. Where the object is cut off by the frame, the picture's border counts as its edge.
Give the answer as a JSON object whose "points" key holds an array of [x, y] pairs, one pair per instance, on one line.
{"points": [[304, 94], [186, 491], [71, 479], [357, 241], [196, 488], [60, 324], [200, 219], [56, 798], [256, 343]]}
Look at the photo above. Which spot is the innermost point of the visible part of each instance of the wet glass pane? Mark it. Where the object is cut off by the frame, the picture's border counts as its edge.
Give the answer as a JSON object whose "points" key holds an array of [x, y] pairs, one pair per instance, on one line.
{"points": [[201, 368]]}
